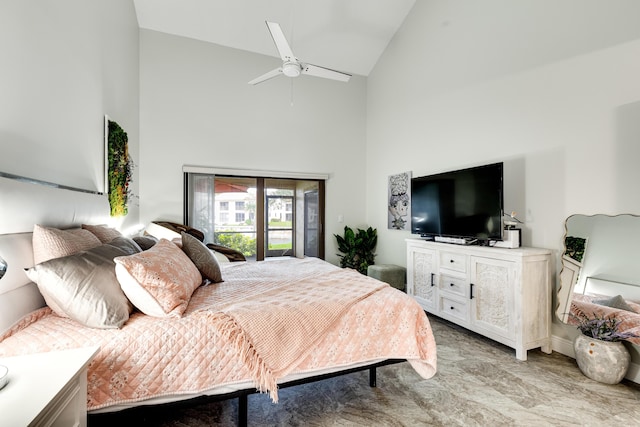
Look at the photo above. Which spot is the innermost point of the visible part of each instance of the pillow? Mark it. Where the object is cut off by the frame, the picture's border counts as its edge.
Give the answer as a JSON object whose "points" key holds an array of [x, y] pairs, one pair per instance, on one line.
{"points": [[180, 228], [84, 286], [222, 259], [160, 280], [49, 243], [102, 232], [160, 232], [231, 254], [145, 242], [202, 257], [615, 302]]}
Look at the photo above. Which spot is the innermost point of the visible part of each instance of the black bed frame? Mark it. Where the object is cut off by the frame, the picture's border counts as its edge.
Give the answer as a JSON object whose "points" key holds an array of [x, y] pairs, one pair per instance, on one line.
{"points": [[242, 395]]}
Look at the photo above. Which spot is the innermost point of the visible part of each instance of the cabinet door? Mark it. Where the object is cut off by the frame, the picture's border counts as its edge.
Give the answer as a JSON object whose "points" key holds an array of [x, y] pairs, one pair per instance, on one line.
{"points": [[421, 282], [492, 296]]}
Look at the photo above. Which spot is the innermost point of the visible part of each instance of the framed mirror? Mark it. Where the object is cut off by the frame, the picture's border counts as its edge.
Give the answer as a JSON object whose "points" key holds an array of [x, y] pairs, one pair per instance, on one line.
{"points": [[601, 261]]}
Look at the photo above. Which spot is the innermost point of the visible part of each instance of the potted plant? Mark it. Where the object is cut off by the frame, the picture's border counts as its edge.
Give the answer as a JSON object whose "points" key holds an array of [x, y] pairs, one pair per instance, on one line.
{"points": [[357, 248], [599, 350]]}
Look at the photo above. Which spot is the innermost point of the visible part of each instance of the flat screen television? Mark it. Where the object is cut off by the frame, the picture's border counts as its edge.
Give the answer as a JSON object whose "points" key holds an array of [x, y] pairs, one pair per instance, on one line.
{"points": [[466, 203]]}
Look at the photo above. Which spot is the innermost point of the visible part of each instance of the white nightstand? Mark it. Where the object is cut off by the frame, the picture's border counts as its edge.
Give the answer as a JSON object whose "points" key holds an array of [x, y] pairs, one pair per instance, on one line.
{"points": [[46, 389]]}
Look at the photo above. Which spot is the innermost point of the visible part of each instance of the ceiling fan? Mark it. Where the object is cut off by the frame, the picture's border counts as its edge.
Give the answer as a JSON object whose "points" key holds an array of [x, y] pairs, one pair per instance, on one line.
{"points": [[292, 66]]}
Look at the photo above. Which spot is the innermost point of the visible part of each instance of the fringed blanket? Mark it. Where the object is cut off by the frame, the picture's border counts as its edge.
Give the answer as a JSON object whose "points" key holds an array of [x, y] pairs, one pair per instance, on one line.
{"points": [[294, 317]]}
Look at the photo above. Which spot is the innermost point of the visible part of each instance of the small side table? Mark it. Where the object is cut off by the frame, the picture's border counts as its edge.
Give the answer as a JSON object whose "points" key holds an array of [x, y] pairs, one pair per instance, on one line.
{"points": [[46, 389]]}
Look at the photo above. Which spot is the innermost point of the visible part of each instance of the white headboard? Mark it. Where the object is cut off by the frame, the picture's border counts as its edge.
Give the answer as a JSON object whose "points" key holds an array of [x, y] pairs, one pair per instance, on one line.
{"points": [[23, 204], [603, 286]]}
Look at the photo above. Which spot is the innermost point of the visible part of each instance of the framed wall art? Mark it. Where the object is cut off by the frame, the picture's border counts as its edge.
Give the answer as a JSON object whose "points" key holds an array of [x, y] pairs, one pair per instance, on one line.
{"points": [[399, 201]]}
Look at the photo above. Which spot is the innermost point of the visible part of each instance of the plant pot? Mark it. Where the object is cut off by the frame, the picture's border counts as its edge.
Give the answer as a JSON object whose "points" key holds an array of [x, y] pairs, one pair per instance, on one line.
{"points": [[603, 361]]}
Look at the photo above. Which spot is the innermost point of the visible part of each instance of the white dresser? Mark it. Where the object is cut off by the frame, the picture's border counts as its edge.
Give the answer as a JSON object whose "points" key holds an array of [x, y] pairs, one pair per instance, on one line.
{"points": [[503, 294], [46, 389]]}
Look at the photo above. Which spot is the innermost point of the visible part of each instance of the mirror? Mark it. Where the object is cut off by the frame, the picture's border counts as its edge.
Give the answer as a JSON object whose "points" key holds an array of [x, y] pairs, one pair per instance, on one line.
{"points": [[601, 258], [3, 267]]}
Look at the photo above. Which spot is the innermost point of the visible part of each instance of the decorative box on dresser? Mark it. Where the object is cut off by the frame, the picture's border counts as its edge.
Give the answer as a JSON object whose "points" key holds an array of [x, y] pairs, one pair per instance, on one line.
{"points": [[503, 294]]}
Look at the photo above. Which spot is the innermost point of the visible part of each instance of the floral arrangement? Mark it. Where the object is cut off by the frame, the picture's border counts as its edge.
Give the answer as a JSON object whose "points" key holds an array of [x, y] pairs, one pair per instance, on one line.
{"points": [[601, 328], [119, 171]]}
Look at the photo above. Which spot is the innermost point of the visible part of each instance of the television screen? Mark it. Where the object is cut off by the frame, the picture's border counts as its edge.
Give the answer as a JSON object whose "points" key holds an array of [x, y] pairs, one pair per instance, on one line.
{"points": [[462, 203]]}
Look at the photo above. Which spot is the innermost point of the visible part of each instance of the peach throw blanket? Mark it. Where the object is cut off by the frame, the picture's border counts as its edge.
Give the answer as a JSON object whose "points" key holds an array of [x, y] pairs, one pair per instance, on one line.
{"points": [[260, 327]]}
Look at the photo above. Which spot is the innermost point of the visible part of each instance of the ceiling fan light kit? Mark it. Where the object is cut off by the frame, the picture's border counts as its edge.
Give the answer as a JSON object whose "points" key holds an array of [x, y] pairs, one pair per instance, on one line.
{"points": [[292, 66], [291, 69]]}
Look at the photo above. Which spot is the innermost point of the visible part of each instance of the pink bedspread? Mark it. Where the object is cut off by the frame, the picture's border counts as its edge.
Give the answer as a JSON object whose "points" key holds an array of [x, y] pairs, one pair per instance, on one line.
{"points": [[151, 357]]}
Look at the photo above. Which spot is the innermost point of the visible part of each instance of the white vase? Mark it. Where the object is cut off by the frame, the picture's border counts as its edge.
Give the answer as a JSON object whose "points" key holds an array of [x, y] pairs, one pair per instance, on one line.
{"points": [[603, 361]]}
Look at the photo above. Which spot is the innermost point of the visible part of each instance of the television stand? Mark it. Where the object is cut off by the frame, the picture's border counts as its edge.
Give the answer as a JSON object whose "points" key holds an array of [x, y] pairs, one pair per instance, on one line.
{"points": [[503, 294], [456, 240]]}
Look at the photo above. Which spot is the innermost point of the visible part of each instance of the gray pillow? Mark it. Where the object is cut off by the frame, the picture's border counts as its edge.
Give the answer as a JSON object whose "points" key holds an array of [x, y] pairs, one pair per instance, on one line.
{"points": [[84, 286], [615, 302], [202, 257], [145, 242]]}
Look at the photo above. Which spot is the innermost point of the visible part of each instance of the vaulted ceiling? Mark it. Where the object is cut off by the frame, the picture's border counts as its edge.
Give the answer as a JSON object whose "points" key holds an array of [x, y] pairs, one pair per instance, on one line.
{"points": [[346, 35]]}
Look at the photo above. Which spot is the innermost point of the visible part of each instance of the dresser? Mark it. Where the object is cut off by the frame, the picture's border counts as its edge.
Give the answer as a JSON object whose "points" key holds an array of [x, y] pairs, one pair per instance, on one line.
{"points": [[503, 294], [46, 389]]}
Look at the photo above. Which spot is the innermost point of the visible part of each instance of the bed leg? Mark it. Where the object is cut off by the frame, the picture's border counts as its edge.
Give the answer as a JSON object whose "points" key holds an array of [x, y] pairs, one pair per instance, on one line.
{"points": [[372, 377], [242, 410]]}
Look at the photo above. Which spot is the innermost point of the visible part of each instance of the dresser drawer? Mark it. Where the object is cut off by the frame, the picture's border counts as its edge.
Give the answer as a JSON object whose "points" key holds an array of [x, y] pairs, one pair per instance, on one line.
{"points": [[453, 261], [455, 285], [450, 307]]}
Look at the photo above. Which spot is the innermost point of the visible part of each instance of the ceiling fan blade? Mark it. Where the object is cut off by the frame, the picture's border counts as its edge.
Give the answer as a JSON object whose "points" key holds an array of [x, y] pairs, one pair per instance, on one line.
{"points": [[281, 42], [266, 76], [327, 73]]}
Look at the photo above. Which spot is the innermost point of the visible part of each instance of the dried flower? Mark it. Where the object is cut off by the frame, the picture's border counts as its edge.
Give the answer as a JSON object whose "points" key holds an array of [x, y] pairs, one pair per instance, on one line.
{"points": [[601, 328]]}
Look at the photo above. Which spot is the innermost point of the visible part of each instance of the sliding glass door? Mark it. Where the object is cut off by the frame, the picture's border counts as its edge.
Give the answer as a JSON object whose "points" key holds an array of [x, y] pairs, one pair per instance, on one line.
{"points": [[257, 216]]}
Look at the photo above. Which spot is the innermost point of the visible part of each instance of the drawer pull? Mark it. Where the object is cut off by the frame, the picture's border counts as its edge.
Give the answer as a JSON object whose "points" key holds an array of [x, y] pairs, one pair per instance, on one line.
{"points": [[451, 284], [451, 261], [432, 274], [470, 290], [452, 308]]}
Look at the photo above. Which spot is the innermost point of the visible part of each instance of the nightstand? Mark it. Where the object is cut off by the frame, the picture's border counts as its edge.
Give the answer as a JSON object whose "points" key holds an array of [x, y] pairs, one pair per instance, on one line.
{"points": [[46, 389]]}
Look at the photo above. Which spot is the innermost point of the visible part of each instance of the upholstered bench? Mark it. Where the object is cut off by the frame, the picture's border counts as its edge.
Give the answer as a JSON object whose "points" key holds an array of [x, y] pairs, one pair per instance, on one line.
{"points": [[389, 273]]}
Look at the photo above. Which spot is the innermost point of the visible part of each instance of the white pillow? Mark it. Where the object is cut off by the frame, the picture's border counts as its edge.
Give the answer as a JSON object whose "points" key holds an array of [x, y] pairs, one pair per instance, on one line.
{"points": [[84, 286], [161, 232]]}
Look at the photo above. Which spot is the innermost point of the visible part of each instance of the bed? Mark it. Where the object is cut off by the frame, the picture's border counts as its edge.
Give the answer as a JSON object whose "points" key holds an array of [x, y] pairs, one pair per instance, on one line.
{"points": [[265, 325]]}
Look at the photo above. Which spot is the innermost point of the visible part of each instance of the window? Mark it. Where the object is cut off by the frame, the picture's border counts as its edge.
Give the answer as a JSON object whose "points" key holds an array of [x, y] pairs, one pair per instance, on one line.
{"points": [[268, 217]]}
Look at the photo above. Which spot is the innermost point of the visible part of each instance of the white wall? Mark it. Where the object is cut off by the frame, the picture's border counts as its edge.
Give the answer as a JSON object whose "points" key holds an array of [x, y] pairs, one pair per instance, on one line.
{"points": [[197, 109], [63, 66], [550, 88]]}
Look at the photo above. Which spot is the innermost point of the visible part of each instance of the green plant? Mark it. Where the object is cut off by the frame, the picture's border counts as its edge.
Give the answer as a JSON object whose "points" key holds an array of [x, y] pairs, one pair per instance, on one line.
{"points": [[240, 242], [601, 328], [119, 171], [575, 247], [358, 248]]}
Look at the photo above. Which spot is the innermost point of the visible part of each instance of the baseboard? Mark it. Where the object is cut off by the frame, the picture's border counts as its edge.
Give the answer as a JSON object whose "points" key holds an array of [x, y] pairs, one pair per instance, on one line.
{"points": [[565, 346]]}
